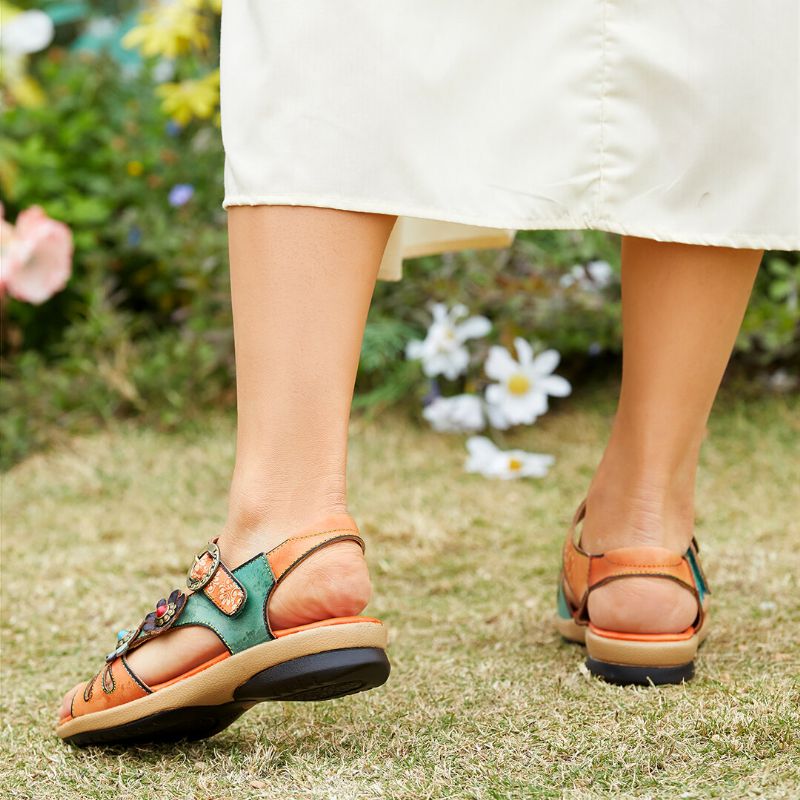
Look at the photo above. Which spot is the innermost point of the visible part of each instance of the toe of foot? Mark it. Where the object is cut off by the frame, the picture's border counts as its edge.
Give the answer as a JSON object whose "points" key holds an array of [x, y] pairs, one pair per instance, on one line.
{"points": [[66, 703]]}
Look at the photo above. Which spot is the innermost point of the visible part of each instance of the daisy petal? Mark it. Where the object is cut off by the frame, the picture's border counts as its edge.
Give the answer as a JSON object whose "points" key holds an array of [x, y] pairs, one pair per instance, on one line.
{"points": [[473, 328], [482, 453], [539, 403], [524, 351], [455, 363], [499, 364], [523, 410], [481, 445], [546, 362], [555, 385], [415, 349], [458, 311], [495, 394], [536, 465], [497, 418], [438, 312]]}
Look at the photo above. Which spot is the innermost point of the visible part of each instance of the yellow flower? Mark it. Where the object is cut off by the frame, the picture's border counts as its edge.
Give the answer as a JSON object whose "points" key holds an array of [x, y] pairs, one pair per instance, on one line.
{"points": [[211, 5], [170, 30], [23, 32], [135, 168], [192, 98], [25, 90]]}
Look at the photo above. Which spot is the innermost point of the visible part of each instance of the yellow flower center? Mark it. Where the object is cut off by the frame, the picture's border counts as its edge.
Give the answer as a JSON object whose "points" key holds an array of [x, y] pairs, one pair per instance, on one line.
{"points": [[518, 384], [514, 464]]}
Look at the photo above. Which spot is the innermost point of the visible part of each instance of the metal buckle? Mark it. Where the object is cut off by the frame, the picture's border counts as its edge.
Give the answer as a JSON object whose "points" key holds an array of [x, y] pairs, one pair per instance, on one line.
{"points": [[195, 584]]}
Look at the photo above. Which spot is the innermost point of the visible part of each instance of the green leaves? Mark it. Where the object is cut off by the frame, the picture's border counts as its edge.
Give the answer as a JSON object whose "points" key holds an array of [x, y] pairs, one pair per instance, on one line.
{"points": [[770, 333]]}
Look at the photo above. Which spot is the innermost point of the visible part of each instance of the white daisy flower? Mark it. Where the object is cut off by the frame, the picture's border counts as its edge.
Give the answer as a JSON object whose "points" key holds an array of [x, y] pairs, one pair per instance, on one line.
{"points": [[26, 32], [594, 276], [488, 460], [520, 394], [442, 352], [460, 414]]}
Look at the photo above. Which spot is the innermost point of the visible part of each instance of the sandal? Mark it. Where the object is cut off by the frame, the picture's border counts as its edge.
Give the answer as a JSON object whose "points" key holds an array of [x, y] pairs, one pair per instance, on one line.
{"points": [[318, 661], [630, 658]]}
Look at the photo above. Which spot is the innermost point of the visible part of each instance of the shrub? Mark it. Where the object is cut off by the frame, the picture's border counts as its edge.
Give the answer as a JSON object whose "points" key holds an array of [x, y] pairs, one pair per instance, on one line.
{"points": [[143, 327]]}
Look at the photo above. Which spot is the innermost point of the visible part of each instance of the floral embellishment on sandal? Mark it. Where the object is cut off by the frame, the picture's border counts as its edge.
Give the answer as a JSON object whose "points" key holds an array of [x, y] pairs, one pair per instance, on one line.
{"points": [[166, 612], [124, 639]]}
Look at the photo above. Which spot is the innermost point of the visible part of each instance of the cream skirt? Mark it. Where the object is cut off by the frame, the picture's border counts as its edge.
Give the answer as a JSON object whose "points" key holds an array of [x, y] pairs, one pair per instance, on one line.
{"points": [[676, 121]]}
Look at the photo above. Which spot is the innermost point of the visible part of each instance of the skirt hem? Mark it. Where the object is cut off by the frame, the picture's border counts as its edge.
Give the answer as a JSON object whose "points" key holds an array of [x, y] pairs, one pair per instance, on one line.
{"points": [[754, 241]]}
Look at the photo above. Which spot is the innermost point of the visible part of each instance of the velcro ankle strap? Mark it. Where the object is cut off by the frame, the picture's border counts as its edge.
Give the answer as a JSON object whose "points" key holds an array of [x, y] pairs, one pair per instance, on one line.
{"points": [[209, 575]]}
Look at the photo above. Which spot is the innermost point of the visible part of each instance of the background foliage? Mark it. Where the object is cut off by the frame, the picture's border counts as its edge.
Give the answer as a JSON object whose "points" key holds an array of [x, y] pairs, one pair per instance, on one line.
{"points": [[143, 327]]}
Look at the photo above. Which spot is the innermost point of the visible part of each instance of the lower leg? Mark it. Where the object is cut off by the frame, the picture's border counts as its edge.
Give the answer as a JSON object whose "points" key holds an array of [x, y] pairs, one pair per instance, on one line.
{"points": [[682, 309], [301, 283]]}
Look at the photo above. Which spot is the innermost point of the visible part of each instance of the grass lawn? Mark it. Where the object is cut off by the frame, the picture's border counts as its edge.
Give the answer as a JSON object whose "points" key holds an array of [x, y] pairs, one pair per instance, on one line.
{"points": [[485, 701]]}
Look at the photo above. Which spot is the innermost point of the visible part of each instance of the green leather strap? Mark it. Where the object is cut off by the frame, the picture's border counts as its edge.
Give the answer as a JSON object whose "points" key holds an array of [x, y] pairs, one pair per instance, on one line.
{"points": [[697, 573], [248, 627]]}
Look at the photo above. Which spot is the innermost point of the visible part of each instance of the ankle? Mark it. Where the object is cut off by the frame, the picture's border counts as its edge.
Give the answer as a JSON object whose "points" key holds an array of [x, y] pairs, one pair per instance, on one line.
{"points": [[643, 491], [623, 516], [237, 544], [641, 511], [258, 521], [332, 582]]}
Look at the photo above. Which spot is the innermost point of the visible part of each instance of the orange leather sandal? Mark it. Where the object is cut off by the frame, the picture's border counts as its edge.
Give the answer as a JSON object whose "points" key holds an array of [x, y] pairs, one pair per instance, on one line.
{"points": [[630, 658], [319, 661]]}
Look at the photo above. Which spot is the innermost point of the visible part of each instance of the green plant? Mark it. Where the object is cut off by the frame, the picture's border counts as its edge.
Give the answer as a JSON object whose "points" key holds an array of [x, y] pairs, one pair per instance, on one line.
{"points": [[770, 333], [108, 365], [143, 327], [101, 156]]}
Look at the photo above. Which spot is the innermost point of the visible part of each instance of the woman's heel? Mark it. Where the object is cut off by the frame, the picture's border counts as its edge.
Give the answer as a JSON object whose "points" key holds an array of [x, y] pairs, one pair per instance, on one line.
{"points": [[617, 656]]}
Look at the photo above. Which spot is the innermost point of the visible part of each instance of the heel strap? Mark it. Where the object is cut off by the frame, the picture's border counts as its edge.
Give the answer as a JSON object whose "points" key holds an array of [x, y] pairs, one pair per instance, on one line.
{"points": [[584, 572], [626, 562], [293, 551]]}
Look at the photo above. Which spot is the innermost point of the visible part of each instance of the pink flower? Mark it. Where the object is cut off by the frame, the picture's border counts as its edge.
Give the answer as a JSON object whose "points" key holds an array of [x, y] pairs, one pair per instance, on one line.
{"points": [[35, 256]]}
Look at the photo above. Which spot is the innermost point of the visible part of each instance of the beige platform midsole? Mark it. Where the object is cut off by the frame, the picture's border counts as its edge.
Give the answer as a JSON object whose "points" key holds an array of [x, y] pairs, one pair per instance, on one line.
{"points": [[631, 652], [217, 684]]}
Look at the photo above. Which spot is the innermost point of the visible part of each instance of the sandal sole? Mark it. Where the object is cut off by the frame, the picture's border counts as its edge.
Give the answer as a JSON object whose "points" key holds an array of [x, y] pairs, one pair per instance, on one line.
{"points": [[629, 675], [321, 676], [319, 664], [636, 662]]}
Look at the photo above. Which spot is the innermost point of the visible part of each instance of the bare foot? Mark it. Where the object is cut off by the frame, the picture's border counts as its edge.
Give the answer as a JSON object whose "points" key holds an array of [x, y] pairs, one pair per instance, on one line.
{"points": [[333, 582], [638, 605]]}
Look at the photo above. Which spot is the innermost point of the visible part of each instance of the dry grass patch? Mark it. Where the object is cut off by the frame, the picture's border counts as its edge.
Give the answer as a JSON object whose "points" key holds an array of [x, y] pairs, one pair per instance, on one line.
{"points": [[485, 701]]}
